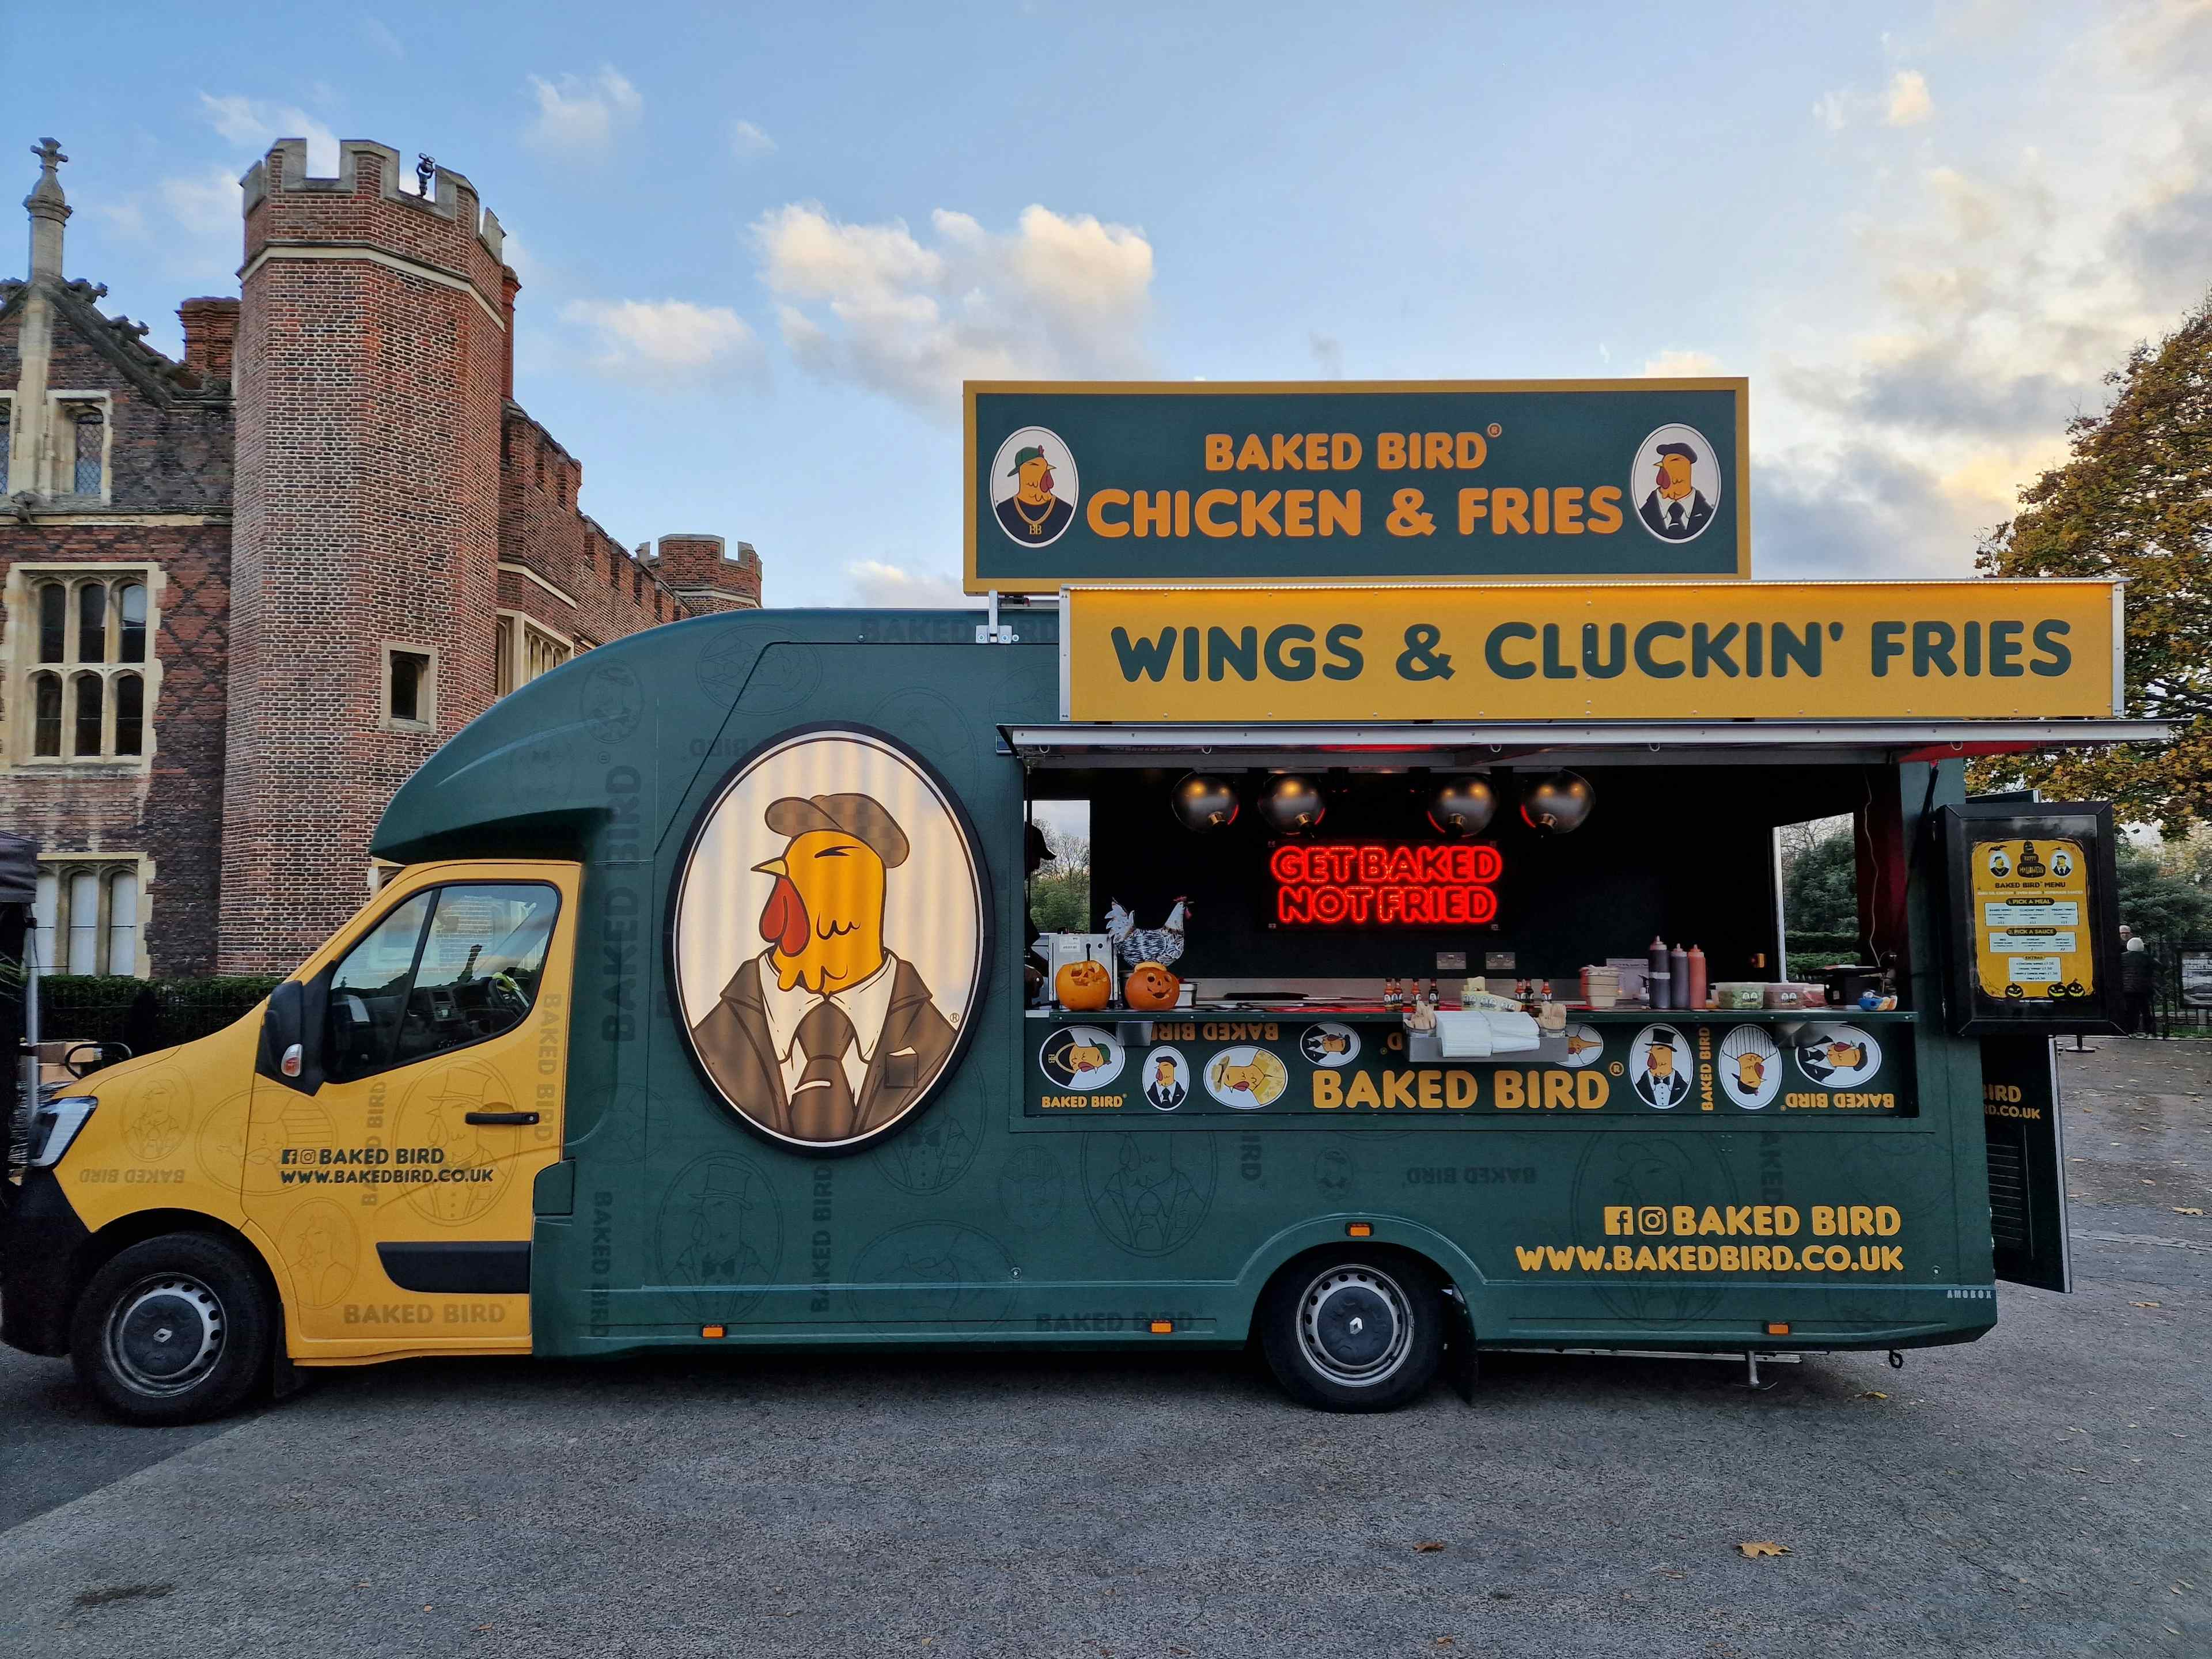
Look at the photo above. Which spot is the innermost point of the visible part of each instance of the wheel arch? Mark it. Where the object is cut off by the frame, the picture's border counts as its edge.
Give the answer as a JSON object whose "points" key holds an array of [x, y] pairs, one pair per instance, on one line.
{"points": [[1391, 1234], [120, 1234]]}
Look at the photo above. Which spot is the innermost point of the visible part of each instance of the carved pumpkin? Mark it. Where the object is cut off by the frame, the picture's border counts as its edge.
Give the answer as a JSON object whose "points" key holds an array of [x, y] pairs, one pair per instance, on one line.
{"points": [[1083, 986], [1151, 988]]}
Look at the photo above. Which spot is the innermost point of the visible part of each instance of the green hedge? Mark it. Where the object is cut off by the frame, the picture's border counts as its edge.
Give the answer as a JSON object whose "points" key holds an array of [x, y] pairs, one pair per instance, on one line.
{"points": [[146, 1014]]}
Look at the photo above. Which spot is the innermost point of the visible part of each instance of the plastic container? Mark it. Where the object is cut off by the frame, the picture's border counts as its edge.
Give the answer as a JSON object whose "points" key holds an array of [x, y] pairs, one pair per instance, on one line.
{"points": [[1740, 993]]}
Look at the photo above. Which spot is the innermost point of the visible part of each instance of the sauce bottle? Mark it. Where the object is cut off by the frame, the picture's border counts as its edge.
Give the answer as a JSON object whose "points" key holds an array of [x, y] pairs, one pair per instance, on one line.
{"points": [[1678, 979], [1697, 988], [1658, 973]]}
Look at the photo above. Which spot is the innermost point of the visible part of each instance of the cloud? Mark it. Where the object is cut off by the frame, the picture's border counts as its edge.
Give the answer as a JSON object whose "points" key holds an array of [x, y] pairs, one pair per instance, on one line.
{"points": [[1328, 354], [1970, 305], [1908, 104], [381, 38], [879, 585], [1675, 364], [662, 342], [748, 142], [576, 116], [252, 127], [874, 305], [1833, 110]]}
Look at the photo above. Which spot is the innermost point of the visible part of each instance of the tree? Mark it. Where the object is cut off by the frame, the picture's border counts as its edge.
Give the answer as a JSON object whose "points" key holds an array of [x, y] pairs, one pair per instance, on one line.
{"points": [[1820, 883], [2135, 501], [2158, 897], [1060, 892]]}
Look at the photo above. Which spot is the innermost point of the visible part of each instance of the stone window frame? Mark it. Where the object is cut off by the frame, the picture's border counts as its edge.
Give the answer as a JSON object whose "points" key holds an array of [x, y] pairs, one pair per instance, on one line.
{"points": [[515, 628], [61, 446], [427, 702], [19, 598], [54, 917]]}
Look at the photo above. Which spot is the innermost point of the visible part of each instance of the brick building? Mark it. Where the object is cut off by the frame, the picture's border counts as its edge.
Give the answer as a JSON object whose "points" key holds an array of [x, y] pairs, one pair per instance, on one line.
{"points": [[246, 593]]}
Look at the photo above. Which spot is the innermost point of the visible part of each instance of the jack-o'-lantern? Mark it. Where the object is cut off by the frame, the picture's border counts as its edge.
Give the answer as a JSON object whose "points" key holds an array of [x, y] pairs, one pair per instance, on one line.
{"points": [[1151, 987], [1083, 986]]}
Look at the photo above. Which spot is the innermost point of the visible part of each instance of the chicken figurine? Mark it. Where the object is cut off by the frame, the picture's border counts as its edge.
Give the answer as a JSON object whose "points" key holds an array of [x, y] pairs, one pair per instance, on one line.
{"points": [[1163, 944]]}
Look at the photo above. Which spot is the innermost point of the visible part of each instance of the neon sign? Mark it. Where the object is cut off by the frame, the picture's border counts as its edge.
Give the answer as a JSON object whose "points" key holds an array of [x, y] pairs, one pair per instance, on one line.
{"points": [[1385, 884]]}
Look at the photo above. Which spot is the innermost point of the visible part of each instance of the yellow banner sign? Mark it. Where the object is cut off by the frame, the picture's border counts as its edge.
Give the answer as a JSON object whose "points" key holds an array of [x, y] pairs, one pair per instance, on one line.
{"points": [[2030, 650]]}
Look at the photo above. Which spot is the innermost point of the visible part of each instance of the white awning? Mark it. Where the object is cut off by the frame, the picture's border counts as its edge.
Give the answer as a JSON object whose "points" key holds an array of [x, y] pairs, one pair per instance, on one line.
{"points": [[1613, 744]]}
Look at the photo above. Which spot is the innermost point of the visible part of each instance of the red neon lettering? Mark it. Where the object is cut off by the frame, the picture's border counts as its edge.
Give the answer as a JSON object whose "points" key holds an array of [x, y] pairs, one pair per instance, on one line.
{"points": [[1363, 884]]}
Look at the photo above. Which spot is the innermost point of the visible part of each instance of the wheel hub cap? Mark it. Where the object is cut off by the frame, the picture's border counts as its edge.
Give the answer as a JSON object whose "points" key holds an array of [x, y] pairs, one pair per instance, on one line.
{"points": [[165, 1333], [1355, 1325]]}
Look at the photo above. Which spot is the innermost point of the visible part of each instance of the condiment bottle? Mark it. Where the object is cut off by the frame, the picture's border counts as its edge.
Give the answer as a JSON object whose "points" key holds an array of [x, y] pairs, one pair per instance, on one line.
{"points": [[1678, 979], [1657, 971], [1698, 989]]}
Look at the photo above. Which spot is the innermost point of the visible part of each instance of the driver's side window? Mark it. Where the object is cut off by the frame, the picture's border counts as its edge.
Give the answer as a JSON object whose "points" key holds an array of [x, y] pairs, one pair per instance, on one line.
{"points": [[451, 966]]}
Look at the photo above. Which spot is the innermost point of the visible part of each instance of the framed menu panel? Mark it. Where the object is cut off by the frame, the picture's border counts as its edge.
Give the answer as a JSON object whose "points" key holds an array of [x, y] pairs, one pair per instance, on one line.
{"points": [[2033, 917]]}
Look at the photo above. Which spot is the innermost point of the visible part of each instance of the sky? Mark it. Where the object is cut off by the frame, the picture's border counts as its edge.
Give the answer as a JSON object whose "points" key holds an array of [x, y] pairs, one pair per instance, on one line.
{"points": [[761, 246]]}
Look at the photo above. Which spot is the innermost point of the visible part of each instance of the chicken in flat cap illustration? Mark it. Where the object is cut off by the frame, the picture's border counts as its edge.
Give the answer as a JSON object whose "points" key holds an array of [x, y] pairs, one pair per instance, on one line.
{"points": [[1675, 508], [827, 1033], [1033, 512]]}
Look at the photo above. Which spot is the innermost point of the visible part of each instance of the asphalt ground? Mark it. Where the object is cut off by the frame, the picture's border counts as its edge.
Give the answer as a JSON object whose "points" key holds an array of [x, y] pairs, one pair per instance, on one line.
{"points": [[2042, 1491]]}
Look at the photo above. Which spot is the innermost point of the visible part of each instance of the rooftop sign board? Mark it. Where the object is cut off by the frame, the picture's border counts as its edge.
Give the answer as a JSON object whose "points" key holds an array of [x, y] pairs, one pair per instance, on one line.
{"points": [[1345, 481], [1831, 651]]}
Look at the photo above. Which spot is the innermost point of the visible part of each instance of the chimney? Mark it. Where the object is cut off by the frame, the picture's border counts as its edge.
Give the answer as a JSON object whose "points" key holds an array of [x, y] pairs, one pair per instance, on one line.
{"points": [[210, 332], [49, 210]]}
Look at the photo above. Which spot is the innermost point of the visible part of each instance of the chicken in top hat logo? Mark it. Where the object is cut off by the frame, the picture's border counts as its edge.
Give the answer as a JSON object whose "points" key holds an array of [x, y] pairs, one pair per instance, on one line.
{"points": [[1676, 484], [1034, 487]]}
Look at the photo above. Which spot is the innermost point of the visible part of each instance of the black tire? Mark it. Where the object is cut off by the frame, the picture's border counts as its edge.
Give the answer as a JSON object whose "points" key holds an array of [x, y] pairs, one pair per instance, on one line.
{"points": [[1353, 1330], [173, 1330]]}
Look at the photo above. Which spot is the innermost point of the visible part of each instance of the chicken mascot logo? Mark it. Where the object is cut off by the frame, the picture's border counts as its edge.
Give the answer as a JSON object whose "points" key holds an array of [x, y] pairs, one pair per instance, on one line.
{"points": [[823, 1028]]}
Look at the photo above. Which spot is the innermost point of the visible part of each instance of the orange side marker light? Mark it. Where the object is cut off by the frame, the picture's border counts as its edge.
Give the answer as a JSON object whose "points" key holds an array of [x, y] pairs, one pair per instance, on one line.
{"points": [[1777, 1330], [1162, 1327], [713, 1331], [1360, 1230]]}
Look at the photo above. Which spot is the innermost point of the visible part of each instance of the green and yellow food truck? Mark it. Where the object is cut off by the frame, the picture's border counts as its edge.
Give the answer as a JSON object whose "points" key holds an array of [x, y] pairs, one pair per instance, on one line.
{"points": [[1430, 997]]}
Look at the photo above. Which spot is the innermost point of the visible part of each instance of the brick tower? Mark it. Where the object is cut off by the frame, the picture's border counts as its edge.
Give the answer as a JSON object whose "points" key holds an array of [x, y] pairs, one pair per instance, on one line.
{"points": [[369, 368], [706, 575]]}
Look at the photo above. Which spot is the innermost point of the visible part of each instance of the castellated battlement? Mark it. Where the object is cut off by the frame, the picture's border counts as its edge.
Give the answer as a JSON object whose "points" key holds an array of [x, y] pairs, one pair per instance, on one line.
{"points": [[706, 573], [366, 205]]}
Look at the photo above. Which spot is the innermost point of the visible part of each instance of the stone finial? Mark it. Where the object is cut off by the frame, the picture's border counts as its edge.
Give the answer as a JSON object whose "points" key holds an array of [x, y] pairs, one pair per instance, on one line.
{"points": [[49, 210]]}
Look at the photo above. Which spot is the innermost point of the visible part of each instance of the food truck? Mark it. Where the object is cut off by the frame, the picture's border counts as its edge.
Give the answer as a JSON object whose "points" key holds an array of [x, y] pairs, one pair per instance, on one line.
{"points": [[1432, 996]]}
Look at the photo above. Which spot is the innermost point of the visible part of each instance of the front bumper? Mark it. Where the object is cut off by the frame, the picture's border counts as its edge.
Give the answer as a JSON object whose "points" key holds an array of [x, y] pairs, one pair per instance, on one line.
{"points": [[41, 1243]]}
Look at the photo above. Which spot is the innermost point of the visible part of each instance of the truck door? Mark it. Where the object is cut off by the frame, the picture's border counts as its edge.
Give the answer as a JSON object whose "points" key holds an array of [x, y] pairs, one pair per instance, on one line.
{"points": [[400, 1199], [2027, 1162]]}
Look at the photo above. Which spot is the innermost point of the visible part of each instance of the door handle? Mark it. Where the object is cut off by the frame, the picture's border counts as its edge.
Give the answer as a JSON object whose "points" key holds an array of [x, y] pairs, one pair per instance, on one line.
{"points": [[499, 1117]]}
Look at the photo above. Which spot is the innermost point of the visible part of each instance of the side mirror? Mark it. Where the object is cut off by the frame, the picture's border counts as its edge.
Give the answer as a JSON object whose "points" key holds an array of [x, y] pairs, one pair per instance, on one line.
{"points": [[292, 1034]]}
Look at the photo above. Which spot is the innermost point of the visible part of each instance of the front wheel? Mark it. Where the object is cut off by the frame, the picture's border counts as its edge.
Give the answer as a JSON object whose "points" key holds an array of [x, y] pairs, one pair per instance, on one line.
{"points": [[1358, 1332], [173, 1330]]}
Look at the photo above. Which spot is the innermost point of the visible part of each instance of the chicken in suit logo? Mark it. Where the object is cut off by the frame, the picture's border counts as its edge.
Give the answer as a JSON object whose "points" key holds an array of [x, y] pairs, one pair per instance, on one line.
{"points": [[1033, 486], [846, 1007], [1676, 481]]}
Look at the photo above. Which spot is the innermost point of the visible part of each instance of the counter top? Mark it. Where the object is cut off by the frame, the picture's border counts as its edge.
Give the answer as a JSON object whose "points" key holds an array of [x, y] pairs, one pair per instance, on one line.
{"points": [[1375, 1014]]}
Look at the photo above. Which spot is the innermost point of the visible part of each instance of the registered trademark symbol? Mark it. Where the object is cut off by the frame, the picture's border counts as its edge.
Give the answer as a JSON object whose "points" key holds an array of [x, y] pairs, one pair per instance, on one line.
{"points": [[1615, 1068], [1496, 430]]}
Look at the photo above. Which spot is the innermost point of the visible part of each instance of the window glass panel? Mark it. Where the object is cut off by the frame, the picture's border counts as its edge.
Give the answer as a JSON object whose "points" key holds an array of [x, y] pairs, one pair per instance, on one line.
{"points": [[84, 923], [46, 915], [92, 623], [123, 922], [89, 430], [409, 670], [47, 715], [87, 742], [481, 965], [130, 613], [129, 715], [368, 992], [53, 621]]}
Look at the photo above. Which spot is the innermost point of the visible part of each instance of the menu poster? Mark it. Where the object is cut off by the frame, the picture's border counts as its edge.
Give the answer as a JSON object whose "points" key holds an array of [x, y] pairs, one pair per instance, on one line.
{"points": [[2033, 919]]}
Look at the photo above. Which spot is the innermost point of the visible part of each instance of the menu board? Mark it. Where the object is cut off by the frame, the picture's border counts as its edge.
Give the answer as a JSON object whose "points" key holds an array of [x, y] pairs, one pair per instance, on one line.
{"points": [[2031, 919], [2032, 916]]}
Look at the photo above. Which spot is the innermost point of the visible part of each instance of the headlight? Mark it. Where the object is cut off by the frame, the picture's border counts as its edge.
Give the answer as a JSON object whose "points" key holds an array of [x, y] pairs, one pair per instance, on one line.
{"points": [[56, 1125]]}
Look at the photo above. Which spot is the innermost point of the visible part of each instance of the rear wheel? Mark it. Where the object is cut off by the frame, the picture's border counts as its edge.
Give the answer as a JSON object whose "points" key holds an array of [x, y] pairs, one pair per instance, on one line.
{"points": [[1355, 1333], [173, 1330]]}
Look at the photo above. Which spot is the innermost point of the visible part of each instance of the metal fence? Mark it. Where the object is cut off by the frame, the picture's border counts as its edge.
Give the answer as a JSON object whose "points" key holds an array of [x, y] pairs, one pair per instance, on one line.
{"points": [[145, 1013]]}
